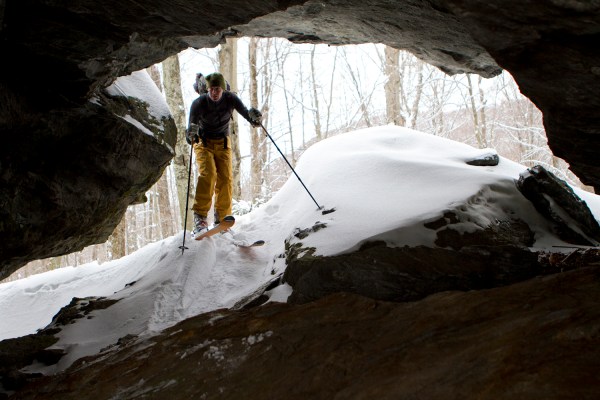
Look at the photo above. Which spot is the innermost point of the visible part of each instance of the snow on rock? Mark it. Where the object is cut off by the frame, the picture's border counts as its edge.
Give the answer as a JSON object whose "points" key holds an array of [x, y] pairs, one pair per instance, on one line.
{"points": [[383, 183], [139, 86]]}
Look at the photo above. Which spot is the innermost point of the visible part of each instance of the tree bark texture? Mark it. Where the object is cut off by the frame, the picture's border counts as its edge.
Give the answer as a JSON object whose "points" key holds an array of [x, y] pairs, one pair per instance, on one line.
{"points": [[228, 67], [181, 161]]}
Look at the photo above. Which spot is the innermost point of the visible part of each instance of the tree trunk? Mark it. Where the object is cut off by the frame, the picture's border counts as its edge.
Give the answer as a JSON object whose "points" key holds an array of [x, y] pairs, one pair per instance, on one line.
{"points": [[474, 113], [482, 103], [228, 67], [281, 59], [166, 219], [155, 75], [392, 87], [263, 148], [302, 101], [255, 139], [419, 90], [290, 126], [354, 78], [313, 80], [118, 240], [438, 121], [181, 161], [331, 92]]}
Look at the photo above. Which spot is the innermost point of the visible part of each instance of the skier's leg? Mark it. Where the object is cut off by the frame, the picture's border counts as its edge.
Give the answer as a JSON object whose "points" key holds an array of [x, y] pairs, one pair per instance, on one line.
{"points": [[207, 175], [224, 184]]}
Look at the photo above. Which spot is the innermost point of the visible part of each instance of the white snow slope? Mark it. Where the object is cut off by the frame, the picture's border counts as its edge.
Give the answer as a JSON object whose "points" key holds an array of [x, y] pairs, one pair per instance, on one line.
{"points": [[383, 182]]}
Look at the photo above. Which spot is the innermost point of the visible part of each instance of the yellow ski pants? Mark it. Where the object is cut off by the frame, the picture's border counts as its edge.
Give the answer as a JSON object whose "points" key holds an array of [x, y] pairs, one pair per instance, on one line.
{"points": [[215, 177]]}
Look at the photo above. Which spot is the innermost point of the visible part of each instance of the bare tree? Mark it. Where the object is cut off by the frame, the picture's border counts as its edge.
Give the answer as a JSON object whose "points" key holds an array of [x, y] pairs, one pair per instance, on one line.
{"points": [[477, 113], [302, 101], [437, 106], [414, 111], [228, 67], [281, 55], [118, 240], [363, 99], [436, 95], [266, 86], [166, 220], [260, 94], [181, 161], [255, 161], [329, 104], [313, 81], [392, 87]]}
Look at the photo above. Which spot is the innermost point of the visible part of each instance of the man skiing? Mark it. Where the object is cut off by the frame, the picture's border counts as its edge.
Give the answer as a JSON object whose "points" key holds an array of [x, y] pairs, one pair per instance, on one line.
{"points": [[208, 132]]}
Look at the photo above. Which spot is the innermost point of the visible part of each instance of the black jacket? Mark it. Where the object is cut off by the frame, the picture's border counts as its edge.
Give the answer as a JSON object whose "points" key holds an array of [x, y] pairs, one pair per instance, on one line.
{"points": [[213, 117]]}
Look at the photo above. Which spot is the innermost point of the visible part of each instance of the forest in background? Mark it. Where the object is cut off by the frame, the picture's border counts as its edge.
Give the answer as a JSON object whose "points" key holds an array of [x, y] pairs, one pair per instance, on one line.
{"points": [[308, 93]]}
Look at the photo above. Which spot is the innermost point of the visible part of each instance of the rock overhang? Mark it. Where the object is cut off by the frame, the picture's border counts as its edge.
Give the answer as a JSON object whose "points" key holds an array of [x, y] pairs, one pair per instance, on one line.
{"points": [[61, 55]]}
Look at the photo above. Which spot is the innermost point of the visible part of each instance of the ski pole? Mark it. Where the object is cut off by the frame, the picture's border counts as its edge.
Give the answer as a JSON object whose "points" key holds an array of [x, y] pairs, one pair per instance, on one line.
{"points": [[187, 199], [290, 165]]}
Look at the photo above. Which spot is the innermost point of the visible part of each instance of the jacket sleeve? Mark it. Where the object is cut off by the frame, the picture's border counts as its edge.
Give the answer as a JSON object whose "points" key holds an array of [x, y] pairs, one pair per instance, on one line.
{"points": [[195, 113], [240, 107]]}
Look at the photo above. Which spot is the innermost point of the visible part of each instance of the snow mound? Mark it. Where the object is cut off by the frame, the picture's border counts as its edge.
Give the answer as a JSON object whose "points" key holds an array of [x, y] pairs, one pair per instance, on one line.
{"points": [[383, 183]]}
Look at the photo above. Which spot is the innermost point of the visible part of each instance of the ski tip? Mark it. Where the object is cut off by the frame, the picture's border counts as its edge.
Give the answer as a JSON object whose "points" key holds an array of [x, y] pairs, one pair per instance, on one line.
{"points": [[329, 211]]}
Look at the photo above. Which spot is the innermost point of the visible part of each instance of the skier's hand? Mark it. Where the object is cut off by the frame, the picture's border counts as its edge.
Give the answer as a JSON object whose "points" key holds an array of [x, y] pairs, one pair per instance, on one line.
{"points": [[189, 138], [192, 134], [255, 117]]}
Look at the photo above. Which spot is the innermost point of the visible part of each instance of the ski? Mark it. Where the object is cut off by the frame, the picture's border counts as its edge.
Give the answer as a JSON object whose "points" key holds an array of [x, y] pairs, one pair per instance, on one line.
{"points": [[245, 245], [227, 223]]}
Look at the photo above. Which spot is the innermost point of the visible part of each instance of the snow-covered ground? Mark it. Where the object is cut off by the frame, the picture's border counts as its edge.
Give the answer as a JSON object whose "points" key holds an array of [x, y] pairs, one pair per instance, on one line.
{"points": [[383, 183]]}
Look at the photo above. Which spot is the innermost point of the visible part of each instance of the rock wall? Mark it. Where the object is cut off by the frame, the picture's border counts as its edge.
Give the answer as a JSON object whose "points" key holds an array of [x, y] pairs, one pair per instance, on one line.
{"points": [[534, 340], [68, 177], [58, 55]]}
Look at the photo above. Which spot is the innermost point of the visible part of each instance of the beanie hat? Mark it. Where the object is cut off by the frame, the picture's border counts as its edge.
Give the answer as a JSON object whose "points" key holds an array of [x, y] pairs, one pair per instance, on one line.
{"points": [[215, 79]]}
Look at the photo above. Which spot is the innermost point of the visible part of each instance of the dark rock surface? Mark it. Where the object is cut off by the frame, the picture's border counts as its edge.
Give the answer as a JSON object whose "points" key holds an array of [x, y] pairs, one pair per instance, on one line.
{"points": [[20, 352], [508, 232], [555, 200], [539, 339], [68, 176], [59, 54], [487, 160], [409, 273]]}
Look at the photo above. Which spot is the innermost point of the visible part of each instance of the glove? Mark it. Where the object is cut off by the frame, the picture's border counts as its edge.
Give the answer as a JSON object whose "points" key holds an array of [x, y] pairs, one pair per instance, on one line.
{"points": [[192, 134], [255, 117]]}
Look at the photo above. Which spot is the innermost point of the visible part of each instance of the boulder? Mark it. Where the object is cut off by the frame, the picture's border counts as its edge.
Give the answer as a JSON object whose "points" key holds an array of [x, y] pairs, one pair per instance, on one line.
{"points": [[68, 177], [554, 199], [408, 273]]}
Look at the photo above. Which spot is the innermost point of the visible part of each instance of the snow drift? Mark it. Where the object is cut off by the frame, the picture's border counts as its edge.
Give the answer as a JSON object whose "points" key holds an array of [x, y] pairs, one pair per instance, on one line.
{"points": [[384, 184]]}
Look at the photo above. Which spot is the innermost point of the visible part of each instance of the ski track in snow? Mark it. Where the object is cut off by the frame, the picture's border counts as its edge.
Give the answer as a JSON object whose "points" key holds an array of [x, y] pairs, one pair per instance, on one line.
{"points": [[214, 274], [192, 288]]}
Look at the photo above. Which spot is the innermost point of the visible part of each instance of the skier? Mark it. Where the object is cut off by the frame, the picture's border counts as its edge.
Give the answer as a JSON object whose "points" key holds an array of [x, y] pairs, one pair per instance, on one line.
{"points": [[207, 132]]}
